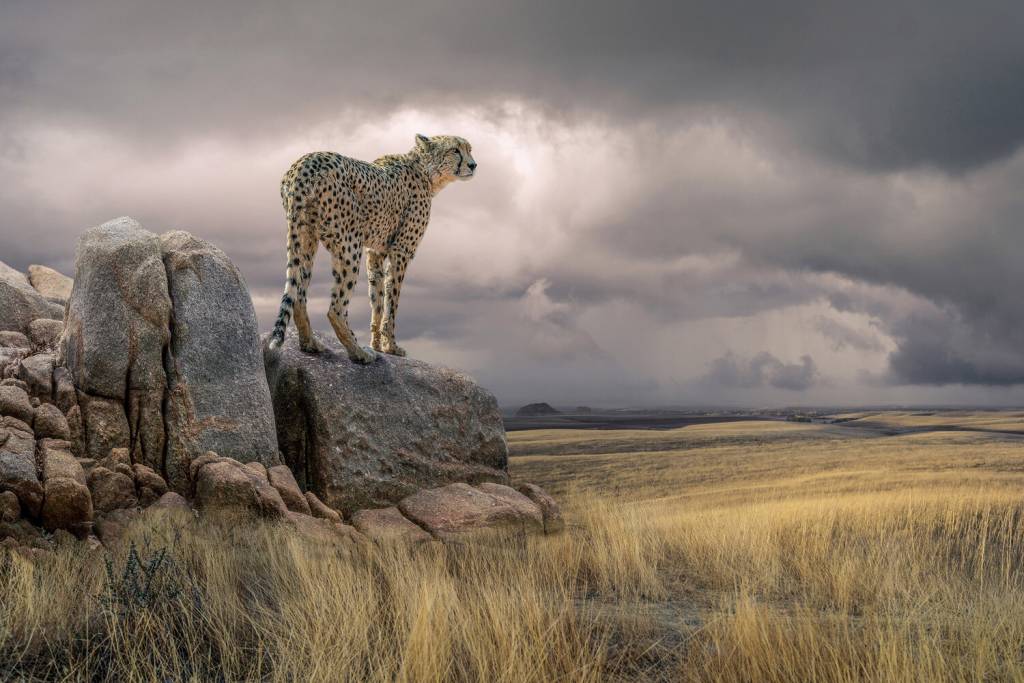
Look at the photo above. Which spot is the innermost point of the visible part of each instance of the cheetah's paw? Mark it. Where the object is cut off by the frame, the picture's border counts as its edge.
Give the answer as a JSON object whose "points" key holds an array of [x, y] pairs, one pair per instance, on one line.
{"points": [[314, 345], [363, 355], [393, 349]]}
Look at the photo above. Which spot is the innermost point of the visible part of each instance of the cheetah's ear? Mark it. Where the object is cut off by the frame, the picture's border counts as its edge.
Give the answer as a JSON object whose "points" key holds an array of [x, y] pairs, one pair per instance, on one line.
{"points": [[423, 142]]}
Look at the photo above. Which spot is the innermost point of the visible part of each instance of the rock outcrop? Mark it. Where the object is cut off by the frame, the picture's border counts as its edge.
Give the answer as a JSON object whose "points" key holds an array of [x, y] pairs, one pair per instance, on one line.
{"points": [[366, 436], [163, 351], [150, 389]]}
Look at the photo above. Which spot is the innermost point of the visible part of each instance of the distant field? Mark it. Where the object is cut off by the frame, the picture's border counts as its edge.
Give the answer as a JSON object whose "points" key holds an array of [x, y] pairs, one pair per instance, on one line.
{"points": [[996, 421], [799, 552], [617, 420]]}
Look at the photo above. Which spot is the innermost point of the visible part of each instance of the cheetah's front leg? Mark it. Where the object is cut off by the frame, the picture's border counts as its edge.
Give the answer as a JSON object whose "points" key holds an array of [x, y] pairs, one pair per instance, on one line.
{"points": [[375, 280], [345, 268], [393, 275]]}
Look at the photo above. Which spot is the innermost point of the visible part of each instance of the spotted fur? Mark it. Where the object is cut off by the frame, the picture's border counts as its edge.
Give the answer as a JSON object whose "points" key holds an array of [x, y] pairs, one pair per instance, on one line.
{"points": [[352, 206]]}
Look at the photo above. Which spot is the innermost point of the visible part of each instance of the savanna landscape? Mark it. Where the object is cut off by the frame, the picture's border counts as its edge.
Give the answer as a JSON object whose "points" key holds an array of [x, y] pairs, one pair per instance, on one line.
{"points": [[760, 550], [513, 341]]}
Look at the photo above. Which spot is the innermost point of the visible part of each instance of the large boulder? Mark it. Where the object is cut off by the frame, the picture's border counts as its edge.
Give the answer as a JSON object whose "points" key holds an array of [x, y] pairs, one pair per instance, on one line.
{"points": [[162, 347], [116, 330], [52, 285], [20, 303], [366, 436], [218, 396]]}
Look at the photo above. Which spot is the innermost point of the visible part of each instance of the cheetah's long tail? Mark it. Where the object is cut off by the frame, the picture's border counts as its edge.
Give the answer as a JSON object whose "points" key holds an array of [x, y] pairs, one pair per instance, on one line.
{"points": [[291, 287]]}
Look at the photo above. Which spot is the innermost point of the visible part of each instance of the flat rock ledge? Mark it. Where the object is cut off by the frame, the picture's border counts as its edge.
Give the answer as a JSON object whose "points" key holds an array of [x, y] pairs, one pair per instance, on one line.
{"points": [[367, 436]]}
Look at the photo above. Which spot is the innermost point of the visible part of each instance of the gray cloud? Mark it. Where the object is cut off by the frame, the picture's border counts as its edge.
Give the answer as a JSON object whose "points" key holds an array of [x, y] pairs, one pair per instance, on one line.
{"points": [[732, 371], [843, 336]]}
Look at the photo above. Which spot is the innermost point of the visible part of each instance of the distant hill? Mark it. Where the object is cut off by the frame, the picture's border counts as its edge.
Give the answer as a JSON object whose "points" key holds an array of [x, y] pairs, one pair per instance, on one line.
{"points": [[535, 409]]}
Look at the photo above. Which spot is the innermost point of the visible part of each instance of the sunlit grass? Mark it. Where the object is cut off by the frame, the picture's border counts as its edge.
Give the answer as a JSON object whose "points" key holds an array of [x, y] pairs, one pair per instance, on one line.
{"points": [[731, 554]]}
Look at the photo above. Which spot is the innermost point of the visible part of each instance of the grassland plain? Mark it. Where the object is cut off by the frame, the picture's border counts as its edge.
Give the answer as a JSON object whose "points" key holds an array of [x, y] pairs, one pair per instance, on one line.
{"points": [[751, 551]]}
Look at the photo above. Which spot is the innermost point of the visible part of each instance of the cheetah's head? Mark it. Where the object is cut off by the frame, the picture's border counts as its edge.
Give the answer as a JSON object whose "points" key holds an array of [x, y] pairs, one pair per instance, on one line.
{"points": [[446, 158]]}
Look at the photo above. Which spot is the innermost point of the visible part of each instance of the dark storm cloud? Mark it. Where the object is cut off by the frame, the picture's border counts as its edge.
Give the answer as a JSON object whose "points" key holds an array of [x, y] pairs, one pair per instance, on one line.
{"points": [[732, 371], [685, 163], [843, 336], [874, 84]]}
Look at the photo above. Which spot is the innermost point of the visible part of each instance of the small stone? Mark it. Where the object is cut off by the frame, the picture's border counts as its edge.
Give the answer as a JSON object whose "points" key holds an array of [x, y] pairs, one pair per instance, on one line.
{"points": [[124, 469], [451, 511], [387, 525], [37, 372], [111, 490], [319, 509], [116, 456], [149, 484], [51, 284], [200, 462], [18, 469], [14, 382], [322, 531], [57, 461], [9, 339], [553, 522], [522, 504], [49, 422], [172, 501], [10, 509], [281, 478], [259, 468], [67, 505], [14, 402], [45, 333], [226, 485], [17, 425]]}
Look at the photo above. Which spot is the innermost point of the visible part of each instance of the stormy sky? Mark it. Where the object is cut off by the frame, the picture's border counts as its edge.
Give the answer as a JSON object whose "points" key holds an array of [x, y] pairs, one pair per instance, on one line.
{"points": [[677, 203]]}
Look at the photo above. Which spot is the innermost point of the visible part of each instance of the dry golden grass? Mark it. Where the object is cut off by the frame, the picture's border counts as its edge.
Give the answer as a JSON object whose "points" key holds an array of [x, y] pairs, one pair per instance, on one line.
{"points": [[735, 552]]}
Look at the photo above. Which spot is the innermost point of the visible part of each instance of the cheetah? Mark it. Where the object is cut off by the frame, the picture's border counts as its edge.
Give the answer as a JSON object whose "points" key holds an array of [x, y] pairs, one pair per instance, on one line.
{"points": [[353, 206]]}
